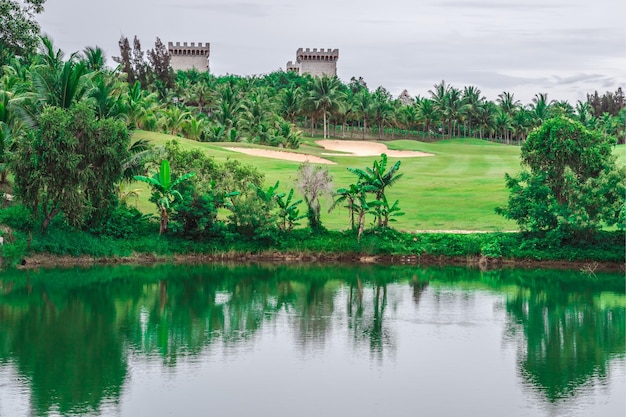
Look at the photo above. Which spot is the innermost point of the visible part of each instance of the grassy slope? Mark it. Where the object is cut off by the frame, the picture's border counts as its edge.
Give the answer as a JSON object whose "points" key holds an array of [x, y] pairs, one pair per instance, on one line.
{"points": [[458, 188]]}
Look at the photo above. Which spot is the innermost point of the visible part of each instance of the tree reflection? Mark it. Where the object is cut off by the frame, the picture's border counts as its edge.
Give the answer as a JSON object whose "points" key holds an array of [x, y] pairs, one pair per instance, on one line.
{"points": [[69, 350], [70, 333], [569, 338]]}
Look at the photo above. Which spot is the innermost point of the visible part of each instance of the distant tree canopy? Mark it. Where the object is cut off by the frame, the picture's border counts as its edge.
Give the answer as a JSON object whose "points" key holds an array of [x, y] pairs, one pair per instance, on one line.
{"points": [[570, 185], [18, 29], [156, 70], [608, 102]]}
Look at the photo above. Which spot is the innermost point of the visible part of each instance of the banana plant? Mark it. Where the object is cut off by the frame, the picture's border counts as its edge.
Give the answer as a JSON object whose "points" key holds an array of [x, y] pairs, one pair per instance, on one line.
{"points": [[289, 213], [163, 189]]}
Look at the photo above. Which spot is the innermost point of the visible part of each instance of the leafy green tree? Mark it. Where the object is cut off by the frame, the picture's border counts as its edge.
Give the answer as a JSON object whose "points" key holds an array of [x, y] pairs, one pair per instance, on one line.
{"points": [[71, 164], [18, 29], [570, 185], [164, 191]]}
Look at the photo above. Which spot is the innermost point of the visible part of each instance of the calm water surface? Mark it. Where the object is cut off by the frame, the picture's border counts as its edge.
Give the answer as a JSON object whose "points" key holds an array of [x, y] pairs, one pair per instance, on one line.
{"points": [[316, 341]]}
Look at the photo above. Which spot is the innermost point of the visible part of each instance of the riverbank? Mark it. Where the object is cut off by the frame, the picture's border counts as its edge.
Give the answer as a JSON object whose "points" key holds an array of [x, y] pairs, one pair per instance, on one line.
{"points": [[478, 250], [47, 260]]}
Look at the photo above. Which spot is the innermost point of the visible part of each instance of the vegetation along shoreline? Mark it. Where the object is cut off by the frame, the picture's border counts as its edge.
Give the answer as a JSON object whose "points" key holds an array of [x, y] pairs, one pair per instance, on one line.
{"points": [[108, 163]]}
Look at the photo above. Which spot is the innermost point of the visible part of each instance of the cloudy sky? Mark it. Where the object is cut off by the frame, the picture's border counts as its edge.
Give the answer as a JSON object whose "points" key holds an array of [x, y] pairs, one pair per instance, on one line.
{"points": [[565, 48]]}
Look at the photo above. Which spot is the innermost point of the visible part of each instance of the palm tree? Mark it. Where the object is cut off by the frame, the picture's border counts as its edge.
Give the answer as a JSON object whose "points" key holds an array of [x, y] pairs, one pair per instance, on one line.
{"points": [[326, 97], [540, 109], [472, 100], [136, 104], [363, 107], [503, 124], [379, 178], [290, 103], [486, 117], [584, 113], [508, 103], [382, 112], [94, 58], [427, 113], [440, 103], [59, 83], [454, 108]]}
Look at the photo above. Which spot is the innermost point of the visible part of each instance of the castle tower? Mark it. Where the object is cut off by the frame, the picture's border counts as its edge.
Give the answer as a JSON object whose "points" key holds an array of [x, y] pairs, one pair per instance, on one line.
{"points": [[185, 57], [314, 62]]}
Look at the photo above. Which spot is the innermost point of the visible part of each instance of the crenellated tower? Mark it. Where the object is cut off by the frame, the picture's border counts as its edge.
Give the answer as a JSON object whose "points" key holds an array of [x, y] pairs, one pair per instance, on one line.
{"points": [[314, 62], [185, 57]]}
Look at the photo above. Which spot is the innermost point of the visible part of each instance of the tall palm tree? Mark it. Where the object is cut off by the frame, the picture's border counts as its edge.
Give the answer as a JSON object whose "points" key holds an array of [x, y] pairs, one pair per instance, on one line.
{"points": [[503, 124], [454, 108], [290, 103], [508, 103], [382, 111], [540, 108], [486, 117], [439, 96], [363, 107], [427, 113], [472, 99], [326, 97]]}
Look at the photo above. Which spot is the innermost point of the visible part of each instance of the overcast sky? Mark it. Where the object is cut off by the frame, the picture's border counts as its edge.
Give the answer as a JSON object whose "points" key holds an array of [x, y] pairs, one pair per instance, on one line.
{"points": [[565, 48]]}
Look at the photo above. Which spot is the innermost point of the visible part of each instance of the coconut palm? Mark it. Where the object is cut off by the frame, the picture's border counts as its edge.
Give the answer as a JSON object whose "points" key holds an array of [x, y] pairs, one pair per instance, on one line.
{"points": [[325, 97], [540, 109], [363, 107], [59, 83], [427, 114], [486, 118], [440, 103], [94, 58], [290, 103], [472, 99]]}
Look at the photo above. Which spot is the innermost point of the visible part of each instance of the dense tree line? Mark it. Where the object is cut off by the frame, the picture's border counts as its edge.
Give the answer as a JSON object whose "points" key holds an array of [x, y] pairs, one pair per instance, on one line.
{"points": [[55, 111]]}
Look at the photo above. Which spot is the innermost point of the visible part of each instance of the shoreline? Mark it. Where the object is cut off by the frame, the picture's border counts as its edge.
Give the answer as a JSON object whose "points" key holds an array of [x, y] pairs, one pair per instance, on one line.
{"points": [[42, 260]]}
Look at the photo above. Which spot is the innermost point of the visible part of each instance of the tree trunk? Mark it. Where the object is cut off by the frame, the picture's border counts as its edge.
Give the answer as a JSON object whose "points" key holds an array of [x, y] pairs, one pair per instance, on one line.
{"points": [[361, 225], [164, 221], [325, 127]]}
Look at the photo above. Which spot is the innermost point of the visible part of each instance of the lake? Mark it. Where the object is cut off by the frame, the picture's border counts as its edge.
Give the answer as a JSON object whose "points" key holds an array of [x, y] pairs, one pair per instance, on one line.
{"points": [[331, 340]]}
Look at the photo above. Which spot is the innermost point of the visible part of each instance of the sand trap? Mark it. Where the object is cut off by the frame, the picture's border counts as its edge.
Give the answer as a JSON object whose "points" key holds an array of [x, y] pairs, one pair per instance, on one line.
{"points": [[287, 156], [360, 148]]}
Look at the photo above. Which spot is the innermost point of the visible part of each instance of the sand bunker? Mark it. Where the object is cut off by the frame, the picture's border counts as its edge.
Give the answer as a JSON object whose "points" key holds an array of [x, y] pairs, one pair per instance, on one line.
{"points": [[359, 148], [287, 156]]}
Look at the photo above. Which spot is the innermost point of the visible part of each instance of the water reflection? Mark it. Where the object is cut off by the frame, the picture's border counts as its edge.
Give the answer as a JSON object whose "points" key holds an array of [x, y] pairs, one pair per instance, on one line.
{"points": [[72, 333], [567, 339]]}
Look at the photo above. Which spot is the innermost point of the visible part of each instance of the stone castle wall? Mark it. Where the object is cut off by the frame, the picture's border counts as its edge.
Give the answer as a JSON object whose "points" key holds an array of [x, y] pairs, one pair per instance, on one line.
{"points": [[186, 57], [315, 62]]}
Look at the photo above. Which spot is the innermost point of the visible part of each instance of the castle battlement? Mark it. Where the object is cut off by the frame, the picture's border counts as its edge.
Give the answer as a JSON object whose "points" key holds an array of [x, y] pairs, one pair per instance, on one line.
{"points": [[327, 55], [189, 56], [184, 49]]}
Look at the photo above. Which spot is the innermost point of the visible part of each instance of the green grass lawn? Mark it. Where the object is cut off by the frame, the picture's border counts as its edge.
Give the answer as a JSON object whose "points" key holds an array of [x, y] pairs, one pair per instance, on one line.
{"points": [[458, 188]]}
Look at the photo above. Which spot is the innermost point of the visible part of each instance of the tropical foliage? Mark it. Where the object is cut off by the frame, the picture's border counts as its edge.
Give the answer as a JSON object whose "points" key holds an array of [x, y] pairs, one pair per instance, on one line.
{"points": [[570, 186]]}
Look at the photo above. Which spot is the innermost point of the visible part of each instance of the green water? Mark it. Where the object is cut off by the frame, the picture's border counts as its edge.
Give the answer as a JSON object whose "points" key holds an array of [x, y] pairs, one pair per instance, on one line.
{"points": [[311, 341]]}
